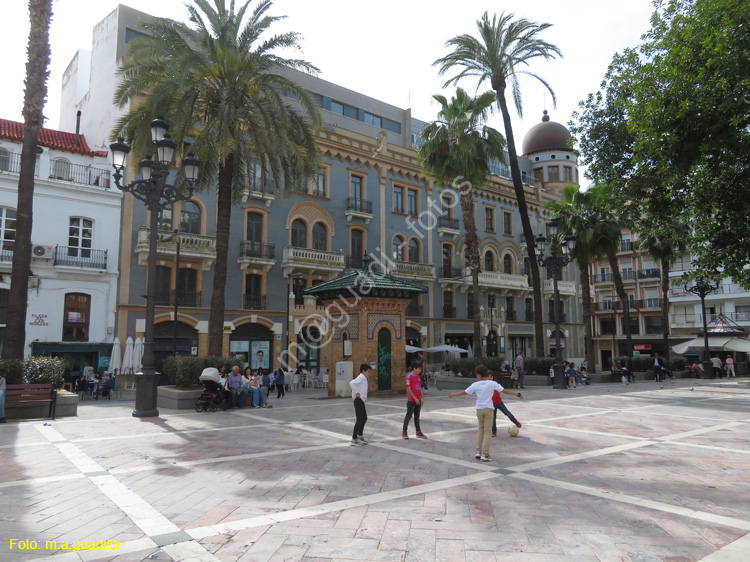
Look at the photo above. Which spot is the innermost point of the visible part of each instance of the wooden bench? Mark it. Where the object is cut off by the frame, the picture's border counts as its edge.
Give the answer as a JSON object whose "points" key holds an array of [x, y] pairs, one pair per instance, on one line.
{"points": [[32, 393], [503, 377]]}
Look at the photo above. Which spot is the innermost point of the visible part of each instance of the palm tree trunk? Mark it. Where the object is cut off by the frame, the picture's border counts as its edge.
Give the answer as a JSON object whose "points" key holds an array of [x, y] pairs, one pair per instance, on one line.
{"points": [[665, 306], [40, 12], [223, 215], [528, 234], [588, 350], [472, 256], [620, 289]]}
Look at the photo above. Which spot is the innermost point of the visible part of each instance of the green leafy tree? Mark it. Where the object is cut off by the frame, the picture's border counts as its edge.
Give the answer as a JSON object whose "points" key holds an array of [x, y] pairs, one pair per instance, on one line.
{"points": [[665, 246], [500, 54], [217, 83], [37, 62], [580, 213], [457, 149]]}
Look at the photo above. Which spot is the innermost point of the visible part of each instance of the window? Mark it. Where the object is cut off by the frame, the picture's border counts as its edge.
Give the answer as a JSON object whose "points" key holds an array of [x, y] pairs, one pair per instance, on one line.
{"points": [[491, 301], [413, 210], [299, 234], [398, 199], [447, 257], [163, 284], [319, 183], [255, 228], [190, 218], [489, 219], [3, 314], [413, 250], [337, 107], [371, 119], [507, 264], [164, 222], [356, 185], [7, 227], [634, 326], [653, 326], [187, 287], [253, 292], [607, 326], [446, 205], [298, 285], [449, 310], [4, 160], [507, 223], [554, 173], [320, 237], [489, 261], [61, 169], [539, 175], [567, 173], [80, 235], [399, 247], [357, 247], [76, 317], [469, 305]]}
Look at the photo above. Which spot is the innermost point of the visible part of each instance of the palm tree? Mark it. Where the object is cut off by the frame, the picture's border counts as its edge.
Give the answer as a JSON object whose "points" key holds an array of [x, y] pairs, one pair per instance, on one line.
{"points": [[457, 149], [40, 13], [217, 83], [666, 246], [504, 47], [579, 213]]}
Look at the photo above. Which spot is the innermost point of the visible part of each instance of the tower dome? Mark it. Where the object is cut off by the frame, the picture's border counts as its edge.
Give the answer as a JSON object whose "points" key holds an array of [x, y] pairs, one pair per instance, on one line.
{"points": [[546, 135]]}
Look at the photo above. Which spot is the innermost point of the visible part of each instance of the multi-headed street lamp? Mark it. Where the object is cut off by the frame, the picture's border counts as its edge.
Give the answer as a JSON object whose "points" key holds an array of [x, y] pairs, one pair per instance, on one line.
{"points": [[154, 191], [702, 286], [554, 263]]}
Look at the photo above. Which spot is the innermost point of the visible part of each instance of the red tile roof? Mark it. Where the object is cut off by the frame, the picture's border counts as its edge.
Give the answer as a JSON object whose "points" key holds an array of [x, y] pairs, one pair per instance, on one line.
{"points": [[13, 130]]}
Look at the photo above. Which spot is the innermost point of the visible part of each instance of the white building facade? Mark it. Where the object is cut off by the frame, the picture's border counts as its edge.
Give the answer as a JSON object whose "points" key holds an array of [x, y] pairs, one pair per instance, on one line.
{"points": [[75, 246]]}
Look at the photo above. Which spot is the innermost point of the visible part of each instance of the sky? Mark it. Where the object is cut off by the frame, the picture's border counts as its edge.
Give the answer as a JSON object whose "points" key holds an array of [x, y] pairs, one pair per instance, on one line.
{"points": [[383, 49]]}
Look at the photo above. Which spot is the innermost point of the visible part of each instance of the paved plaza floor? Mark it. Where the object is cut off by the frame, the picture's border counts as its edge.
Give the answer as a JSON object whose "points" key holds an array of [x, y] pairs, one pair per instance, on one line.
{"points": [[603, 472]]}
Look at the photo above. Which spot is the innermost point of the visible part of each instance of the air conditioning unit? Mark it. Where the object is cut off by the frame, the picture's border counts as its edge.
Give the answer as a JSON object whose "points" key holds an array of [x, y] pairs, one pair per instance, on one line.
{"points": [[42, 252]]}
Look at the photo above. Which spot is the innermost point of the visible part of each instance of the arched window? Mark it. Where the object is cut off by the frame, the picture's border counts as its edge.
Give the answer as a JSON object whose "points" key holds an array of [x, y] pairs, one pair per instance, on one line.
{"points": [[76, 317], [489, 261], [7, 227], [61, 169], [413, 250], [399, 247], [320, 236], [4, 160], [507, 264], [299, 234], [190, 218]]}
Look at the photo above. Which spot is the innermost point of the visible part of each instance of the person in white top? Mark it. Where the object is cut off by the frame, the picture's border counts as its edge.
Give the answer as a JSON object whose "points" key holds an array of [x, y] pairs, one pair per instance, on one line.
{"points": [[484, 388], [359, 395], [730, 366]]}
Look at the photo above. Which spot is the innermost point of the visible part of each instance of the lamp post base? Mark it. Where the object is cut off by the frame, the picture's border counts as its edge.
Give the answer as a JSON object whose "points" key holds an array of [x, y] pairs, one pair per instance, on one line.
{"points": [[708, 370], [561, 380], [145, 395]]}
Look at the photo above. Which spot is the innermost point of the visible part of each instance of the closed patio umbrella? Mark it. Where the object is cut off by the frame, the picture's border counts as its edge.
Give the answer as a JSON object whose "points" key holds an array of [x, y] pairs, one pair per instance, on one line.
{"points": [[127, 357], [138, 355], [115, 362]]}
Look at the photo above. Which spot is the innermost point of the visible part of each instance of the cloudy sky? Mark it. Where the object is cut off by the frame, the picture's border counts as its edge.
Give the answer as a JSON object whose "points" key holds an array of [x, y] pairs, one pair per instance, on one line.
{"points": [[384, 49]]}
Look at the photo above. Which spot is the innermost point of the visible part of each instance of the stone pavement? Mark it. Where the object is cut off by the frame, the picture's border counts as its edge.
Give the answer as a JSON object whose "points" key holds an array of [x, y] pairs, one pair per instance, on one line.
{"points": [[603, 472]]}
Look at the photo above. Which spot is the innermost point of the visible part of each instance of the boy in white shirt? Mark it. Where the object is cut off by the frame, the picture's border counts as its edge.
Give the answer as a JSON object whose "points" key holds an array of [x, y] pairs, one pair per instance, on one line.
{"points": [[359, 395], [484, 388]]}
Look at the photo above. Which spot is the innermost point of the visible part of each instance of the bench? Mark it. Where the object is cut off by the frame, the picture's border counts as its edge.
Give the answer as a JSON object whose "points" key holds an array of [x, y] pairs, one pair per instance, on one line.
{"points": [[32, 394], [503, 377]]}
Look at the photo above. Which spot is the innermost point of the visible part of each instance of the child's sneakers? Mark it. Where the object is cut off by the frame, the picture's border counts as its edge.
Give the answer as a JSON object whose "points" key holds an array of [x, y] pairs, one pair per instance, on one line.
{"points": [[494, 434], [486, 458], [421, 435], [478, 454], [363, 440], [518, 423], [405, 435], [356, 443]]}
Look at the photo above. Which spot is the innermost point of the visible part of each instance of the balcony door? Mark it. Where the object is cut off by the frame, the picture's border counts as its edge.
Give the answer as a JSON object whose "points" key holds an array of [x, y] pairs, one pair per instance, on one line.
{"points": [[187, 287], [357, 248], [80, 236]]}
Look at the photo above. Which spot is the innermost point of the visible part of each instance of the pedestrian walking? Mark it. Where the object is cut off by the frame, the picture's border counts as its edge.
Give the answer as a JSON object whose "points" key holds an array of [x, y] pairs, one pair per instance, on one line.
{"points": [[483, 389], [518, 367], [359, 394], [658, 367], [280, 383], [716, 362], [729, 364], [414, 399]]}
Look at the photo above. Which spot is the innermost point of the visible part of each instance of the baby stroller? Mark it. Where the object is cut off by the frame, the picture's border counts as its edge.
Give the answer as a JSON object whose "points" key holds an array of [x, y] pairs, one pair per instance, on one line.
{"points": [[215, 395]]}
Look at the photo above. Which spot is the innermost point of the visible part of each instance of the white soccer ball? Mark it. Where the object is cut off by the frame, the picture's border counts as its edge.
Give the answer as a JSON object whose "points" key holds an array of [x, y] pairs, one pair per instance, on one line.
{"points": [[513, 431]]}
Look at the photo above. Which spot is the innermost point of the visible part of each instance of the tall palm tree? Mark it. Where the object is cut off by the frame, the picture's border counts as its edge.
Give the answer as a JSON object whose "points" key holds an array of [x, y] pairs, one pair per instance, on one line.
{"points": [[457, 149], [579, 213], [501, 52], [40, 13], [217, 83], [666, 246]]}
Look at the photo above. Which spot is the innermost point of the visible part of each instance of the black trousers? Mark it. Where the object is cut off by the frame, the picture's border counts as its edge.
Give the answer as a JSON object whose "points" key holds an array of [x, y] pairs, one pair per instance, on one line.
{"points": [[361, 413], [501, 406], [280, 390], [412, 408]]}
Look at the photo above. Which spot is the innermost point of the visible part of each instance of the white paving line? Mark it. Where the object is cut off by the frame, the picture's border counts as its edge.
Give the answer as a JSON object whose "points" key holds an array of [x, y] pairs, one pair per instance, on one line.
{"points": [[438, 458], [700, 431], [710, 447], [587, 431], [640, 502], [579, 456], [736, 551]]}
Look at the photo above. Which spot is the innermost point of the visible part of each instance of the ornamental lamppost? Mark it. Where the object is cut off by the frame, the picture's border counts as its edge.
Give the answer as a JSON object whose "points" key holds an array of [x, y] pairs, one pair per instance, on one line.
{"points": [[701, 287], [156, 194], [554, 265]]}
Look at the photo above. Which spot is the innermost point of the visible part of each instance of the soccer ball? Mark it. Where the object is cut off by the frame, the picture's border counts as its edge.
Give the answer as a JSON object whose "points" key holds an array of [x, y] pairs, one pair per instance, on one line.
{"points": [[513, 431]]}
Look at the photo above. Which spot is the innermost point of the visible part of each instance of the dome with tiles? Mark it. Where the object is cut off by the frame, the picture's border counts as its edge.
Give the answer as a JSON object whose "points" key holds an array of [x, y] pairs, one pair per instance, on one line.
{"points": [[546, 135]]}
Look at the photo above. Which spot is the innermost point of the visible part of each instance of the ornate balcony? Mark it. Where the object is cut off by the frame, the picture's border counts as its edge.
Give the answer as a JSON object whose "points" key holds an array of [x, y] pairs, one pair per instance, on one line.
{"points": [[195, 246], [311, 260], [80, 257], [416, 270], [254, 255], [512, 284], [566, 288], [184, 298], [448, 226], [255, 190], [253, 302], [358, 208]]}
